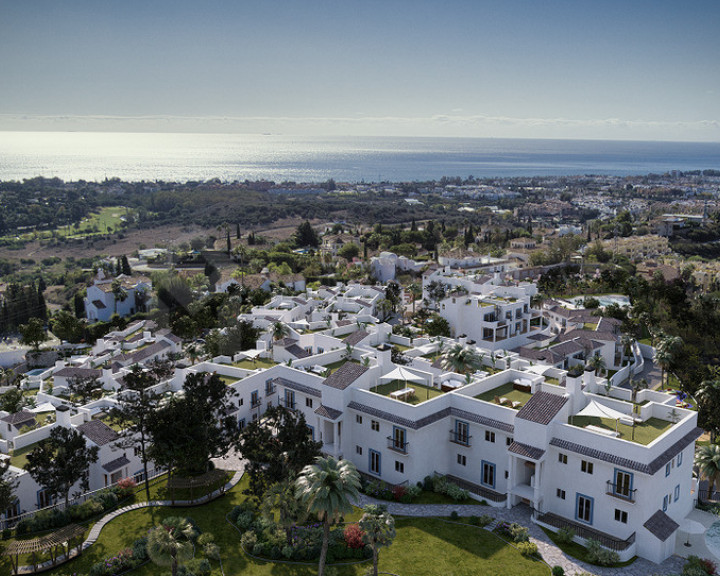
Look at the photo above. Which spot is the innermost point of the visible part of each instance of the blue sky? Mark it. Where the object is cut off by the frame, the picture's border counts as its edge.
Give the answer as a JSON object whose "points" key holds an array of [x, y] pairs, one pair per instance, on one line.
{"points": [[576, 69]]}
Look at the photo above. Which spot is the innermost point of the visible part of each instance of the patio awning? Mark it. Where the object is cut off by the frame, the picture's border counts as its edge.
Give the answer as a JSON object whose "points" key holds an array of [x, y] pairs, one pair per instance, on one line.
{"points": [[597, 410], [251, 353], [539, 369], [401, 373]]}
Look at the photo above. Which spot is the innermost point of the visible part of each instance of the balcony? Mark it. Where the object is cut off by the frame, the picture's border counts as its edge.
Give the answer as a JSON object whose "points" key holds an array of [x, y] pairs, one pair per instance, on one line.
{"points": [[397, 445], [462, 439], [255, 403], [619, 491]]}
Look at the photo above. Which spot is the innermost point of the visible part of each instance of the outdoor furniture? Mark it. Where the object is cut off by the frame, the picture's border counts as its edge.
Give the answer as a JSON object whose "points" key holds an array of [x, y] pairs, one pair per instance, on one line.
{"points": [[401, 394], [58, 544], [603, 431], [504, 401], [516, 405]]}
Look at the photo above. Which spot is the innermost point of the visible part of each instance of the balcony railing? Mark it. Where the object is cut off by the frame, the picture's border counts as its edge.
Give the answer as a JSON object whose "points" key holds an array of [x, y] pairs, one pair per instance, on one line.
{"points": [[462, 439], [620, 491], [397, 445], [255, 403]]}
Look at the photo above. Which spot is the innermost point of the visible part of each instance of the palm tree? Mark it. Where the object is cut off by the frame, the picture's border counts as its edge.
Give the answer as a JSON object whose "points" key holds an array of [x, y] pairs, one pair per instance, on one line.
{"points": [[327, 489], [597, 363], [626, 341], [280, 330], [707, 459], [118, 292], [171, 543], [665, 354], [378, 530], [636, 386], [415, 290], [460, 359]]}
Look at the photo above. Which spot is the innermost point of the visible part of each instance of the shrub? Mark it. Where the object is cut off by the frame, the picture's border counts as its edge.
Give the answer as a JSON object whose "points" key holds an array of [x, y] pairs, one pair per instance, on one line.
{"points": [[474, 520], [558, 571], [485, 519], [696, 566], [245, 521], [456, 493], [398, 492], [519, 533], [454, 515], [527, 548], [565, 535], [198, 567], [428, 483], [6, 533], [126, 486], [353, 536], [596, 554], [248, 540]]}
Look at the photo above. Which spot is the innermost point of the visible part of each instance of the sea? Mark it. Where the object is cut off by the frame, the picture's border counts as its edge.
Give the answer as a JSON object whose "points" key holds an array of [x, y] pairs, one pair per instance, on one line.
{"points": [[95, 156]]}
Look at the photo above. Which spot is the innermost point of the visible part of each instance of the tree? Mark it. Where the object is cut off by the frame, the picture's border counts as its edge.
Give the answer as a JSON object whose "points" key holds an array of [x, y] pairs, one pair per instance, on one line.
{"points": [[378, 530], [636, 386], [349, 251], [436, 325], [7, 486], [393, 293], [327, 489], [306, 236], [461, 359], [171, 543], [61, 461], [666, 353], [708, 396], [83, 386], [280, 330], [277, 449], [280, 498], [67, 327], [707, 459], [134, 406], [33, 334], [597, 363], [125, 266], [385, 309], [119, 293], [190, 430], [12, 401]]}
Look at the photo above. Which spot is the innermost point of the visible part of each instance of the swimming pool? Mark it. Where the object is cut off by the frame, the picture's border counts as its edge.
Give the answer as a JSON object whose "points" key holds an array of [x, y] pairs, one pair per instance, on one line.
{"points": [[604, 299], [712, 539]]}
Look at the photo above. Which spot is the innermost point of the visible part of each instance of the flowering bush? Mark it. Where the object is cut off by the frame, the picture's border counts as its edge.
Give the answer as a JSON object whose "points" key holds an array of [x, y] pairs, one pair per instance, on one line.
{"points": [[353, 536], [122, 561], [126, 486], [398, 492]]}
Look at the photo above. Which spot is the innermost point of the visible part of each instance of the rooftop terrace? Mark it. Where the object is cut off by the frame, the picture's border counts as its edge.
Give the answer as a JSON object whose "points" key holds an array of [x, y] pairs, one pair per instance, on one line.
{"points": [[511, 394], [642, 433], [421, 393]]}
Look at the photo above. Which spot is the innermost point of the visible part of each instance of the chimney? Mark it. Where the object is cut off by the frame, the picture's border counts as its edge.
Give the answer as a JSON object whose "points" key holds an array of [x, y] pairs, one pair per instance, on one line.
{"points": [[384, 356], [62, 416], [589, 379], [462, 339]]}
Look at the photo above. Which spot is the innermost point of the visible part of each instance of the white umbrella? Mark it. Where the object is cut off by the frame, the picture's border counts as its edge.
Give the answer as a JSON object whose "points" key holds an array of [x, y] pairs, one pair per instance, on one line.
{"points": [[692, 526], [401, 373], [597, 410]]}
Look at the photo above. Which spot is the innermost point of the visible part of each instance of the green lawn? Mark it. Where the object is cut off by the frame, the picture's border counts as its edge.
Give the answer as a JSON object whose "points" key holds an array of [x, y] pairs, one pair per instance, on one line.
{"points": [[505, 391], [258, 363], [644, 433], [228, 380], [332, 367], [422, 393], [402, 348], [423, 547]]}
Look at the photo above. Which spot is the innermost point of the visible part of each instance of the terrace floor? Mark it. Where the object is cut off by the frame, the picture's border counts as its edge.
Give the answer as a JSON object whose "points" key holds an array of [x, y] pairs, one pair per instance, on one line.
{"points": [[422, 393], [505, 391], [228, 380], [332, 367], [643, 433], [255, 364]]}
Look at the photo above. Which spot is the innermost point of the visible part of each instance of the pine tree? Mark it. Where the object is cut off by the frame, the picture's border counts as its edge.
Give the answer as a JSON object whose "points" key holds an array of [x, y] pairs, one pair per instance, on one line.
{"points": [[237, 231], [125, 266]]}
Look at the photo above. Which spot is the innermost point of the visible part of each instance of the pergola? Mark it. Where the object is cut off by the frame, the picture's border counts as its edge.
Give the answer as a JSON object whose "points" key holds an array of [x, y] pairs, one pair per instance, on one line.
{"points": [[202, 483], [56, 544]]}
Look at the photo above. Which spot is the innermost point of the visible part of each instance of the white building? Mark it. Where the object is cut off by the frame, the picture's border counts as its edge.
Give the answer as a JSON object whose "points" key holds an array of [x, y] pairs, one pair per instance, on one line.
{"points": [[101, 303]]}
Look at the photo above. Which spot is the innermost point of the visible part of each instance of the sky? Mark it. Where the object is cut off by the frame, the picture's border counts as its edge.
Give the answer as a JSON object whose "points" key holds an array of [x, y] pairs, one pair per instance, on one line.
{"points": [[631, 69]]}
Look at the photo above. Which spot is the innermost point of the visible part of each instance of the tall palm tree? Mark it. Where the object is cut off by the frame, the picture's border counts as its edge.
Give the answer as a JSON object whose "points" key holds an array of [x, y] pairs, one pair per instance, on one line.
{"points": [[118, 292], [666, 353], [280, 330], [597, 363], [636, 386], [626, 341], [460, 359], [327, 489], [171, 543], [707, 459], [415, 290]]}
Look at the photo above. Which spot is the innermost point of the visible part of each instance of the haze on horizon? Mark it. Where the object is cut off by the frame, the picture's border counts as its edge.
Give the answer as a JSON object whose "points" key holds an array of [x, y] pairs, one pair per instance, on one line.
{"points": [[640, 70]]}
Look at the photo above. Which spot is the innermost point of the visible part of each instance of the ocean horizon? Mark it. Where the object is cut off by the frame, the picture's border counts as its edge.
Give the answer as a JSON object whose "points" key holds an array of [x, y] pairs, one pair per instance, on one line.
{"points": [[95, 156]]}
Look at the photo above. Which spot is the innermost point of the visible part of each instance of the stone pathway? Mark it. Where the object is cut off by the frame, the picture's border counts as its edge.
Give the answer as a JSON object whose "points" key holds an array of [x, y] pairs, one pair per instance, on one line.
{"points": [[523, 515]]}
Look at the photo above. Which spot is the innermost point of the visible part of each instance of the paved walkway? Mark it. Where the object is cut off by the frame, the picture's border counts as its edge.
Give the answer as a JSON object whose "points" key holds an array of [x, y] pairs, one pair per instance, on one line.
{"points": [[523, 515]]}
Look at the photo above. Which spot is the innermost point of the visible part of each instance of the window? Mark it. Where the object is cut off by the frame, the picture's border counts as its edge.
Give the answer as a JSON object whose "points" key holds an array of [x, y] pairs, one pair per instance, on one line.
{"points": [[462, 432], [137, 451], [508, 441], [586, 467], [665, 503], [398, 442], [621, 516], [623, 484], [584, 508], [311, 429], [358, 419], [375, 425], [560, 494], [290, 399], [269, 387], [489, 436], [399, 467], [139, 476], [44, 499], [308, 402], [461, 459], [13, 510], [116, 476], [667, 469], [254, 399], [241, 424], [358, 450], [677, 492], [241, 402], [562, 458], [679, 459], [488, 474], [375, 462]]}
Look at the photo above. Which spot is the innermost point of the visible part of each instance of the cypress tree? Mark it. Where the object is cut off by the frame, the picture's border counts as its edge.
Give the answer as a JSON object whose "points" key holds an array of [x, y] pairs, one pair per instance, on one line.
{"points": [[125, 266], [237, 231]]}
